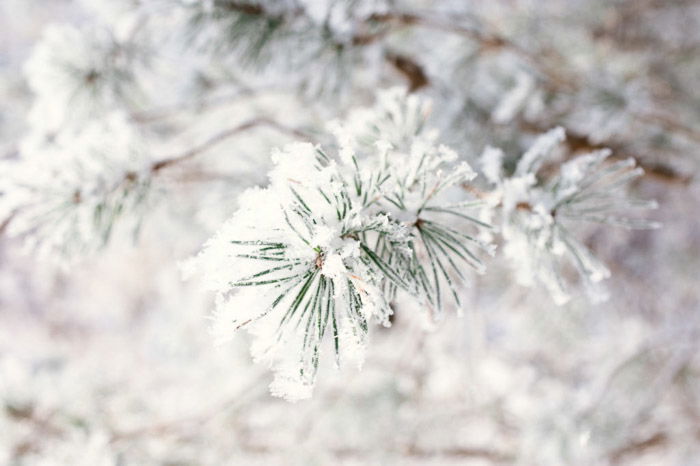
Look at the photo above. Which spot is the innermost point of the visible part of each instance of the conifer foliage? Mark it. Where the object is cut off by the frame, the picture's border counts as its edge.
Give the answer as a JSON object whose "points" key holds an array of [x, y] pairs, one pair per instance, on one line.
{"points": [[326, 248]]}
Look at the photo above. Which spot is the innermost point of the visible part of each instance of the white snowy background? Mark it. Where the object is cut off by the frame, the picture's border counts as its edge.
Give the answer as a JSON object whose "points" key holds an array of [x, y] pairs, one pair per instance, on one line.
{"points": [[108, 358]]}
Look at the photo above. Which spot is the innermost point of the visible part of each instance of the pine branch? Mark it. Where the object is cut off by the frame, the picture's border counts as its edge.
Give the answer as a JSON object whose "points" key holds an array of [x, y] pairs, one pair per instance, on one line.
{"points": [[557, 82]]}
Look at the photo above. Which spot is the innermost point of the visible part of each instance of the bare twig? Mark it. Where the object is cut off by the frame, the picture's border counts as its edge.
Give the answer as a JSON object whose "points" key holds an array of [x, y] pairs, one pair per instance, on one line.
{"points": [[409, 68], [402, 451], [6, 223], [638, 447], [488, 41], [579, 143], [226, 134]]}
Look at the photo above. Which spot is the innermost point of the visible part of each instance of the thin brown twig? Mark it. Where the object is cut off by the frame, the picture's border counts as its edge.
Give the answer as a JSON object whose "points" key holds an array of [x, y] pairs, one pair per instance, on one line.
{"points": [[578, 143], [226, 134], [410, 69], [406, 451], [6, 223], [639, 447], [487, 42]]}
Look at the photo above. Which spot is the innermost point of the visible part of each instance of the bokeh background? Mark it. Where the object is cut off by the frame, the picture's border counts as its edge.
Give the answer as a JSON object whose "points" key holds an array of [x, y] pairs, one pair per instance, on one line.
{"points": [[109, 360]]}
